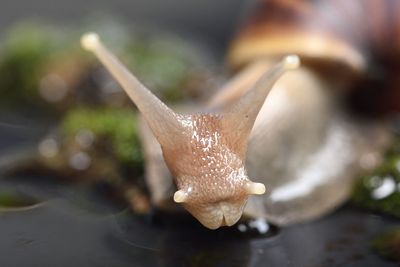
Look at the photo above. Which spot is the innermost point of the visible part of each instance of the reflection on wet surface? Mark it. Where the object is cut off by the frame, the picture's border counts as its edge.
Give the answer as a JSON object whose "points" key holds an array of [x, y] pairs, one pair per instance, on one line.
{"points": [[13, 201], [78, 224], [184, 241]]}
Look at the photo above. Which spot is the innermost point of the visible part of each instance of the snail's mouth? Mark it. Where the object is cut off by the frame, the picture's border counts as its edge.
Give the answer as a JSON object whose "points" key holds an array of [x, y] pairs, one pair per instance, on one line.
{"points": [[218, 214], [229, 214]]}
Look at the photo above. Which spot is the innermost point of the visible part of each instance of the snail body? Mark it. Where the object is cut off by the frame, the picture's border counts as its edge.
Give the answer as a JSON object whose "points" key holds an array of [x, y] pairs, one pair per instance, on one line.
{"points": [[202, 152], [298, 142]]}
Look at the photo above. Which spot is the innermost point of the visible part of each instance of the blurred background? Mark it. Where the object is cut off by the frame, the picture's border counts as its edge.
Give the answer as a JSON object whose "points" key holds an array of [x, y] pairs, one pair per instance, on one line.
{"points": [[211, 21], [72, 185]]}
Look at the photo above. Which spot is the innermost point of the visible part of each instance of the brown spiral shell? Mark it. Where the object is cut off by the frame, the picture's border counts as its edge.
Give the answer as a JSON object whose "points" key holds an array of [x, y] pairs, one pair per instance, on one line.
{"points": [[359, 37]]}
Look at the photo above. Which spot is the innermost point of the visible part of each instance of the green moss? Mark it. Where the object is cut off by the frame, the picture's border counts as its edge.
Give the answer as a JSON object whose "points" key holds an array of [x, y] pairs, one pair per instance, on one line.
{"points": [[387, 245], [23, 53], [31, 50], [363, 194], [117, 126]]}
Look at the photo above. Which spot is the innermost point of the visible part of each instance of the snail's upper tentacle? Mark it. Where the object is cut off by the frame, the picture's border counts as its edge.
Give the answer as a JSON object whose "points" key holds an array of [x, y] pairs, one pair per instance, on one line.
{"points": [[164, 122], [242, 114]]}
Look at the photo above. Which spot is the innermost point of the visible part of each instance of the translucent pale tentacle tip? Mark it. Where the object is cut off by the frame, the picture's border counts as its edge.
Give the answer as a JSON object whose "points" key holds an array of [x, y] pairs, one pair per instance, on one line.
{"points": [[291, 62], [180, 196], [90, 41], [256, 188]]}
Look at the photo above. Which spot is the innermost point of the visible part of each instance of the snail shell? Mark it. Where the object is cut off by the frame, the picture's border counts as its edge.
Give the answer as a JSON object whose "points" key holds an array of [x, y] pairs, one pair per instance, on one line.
{"points": [[356, 41]]}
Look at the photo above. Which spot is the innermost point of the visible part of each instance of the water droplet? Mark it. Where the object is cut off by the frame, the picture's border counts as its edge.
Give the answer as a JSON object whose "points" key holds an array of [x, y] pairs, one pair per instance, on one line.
{"points": [[48, 148], [387, 187], [260, 225], [80, 161], [53, 88], [85, 138], [242, 228]]}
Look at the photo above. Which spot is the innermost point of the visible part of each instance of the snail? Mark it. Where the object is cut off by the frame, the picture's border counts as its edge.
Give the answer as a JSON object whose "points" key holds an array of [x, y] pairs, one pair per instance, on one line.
{"points": [[291, 135], [201, 150]]}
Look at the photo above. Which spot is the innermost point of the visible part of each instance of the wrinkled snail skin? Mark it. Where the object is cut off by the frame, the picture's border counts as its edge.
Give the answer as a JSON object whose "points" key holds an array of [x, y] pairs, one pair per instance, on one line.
{"points": [[204, 152]]}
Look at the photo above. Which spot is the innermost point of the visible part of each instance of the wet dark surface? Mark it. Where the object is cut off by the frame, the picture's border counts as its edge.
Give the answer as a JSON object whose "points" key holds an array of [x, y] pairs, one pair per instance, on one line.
{"points": [[75, 226], [68, 225]]}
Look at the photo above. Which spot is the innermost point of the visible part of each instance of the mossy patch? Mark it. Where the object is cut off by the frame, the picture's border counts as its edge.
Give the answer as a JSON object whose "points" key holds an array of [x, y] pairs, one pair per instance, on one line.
{"points": [[32, 50], [380, 190], [387, 245], [118, 127]]}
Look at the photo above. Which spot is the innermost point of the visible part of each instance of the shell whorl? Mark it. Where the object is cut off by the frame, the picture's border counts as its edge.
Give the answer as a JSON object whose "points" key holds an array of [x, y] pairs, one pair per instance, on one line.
{"points": [[311, 28], [359, 37]]}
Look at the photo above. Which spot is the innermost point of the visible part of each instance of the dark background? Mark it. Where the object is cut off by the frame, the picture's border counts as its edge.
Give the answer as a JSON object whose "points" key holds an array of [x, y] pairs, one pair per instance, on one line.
{"points": [[213, 20]]}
